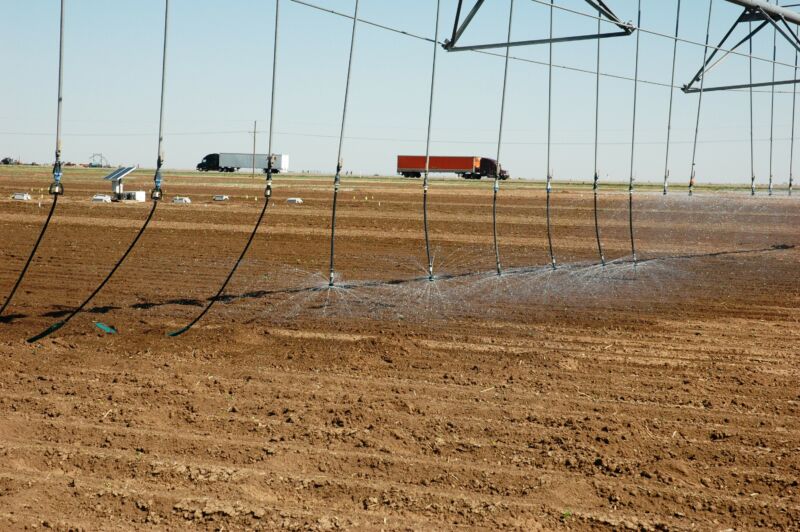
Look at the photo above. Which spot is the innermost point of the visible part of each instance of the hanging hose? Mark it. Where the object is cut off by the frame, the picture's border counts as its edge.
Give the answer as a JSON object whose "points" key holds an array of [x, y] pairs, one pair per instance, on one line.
{"points": [[428, 147], [155, 195], [772, 108], [58, 325], [549, 186], [30, 257], [671, 96], [267, 192], [794, 110], [633, 135], [56, 188], [596, 183], [498, 167], [700, 101], [337, 178]]}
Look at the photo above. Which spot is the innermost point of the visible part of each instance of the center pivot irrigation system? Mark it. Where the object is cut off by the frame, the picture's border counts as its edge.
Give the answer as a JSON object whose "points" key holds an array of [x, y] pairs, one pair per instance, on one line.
{"points": [[763, 14], [620, 29], [756, 15]]}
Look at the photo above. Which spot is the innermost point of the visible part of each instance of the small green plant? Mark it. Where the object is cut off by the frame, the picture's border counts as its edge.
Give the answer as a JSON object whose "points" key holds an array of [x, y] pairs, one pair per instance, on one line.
{"points": [[566, 515]]}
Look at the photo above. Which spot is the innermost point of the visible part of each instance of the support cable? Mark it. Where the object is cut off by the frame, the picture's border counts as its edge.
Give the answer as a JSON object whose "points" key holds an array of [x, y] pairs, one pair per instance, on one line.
{"points": [[549, 187], [267, 191], [772, 109], [672, 97], [794, 118], [700, 102], [498, 168], [56, 188], [706, 46], [337, 178], [544, 63], [428, 146], [752, 141], [155, 195], [633, 137], [596, 183]]}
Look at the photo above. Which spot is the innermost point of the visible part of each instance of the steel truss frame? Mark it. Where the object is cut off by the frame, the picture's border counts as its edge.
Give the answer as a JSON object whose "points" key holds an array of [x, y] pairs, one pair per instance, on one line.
{"points": [[754, 11], [459, 27]]}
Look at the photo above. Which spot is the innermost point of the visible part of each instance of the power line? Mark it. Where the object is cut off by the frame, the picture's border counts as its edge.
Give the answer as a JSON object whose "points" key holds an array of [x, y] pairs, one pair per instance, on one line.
{"points": [[434, 141]]}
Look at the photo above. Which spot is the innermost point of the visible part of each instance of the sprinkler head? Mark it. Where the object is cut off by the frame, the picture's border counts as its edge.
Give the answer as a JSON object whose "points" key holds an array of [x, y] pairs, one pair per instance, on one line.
{"points": [[156, 194], [56, 189]]}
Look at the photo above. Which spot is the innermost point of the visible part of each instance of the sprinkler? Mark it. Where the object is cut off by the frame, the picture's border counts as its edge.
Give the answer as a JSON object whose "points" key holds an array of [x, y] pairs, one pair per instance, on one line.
{"points": [[549, 189], [56, 188]]}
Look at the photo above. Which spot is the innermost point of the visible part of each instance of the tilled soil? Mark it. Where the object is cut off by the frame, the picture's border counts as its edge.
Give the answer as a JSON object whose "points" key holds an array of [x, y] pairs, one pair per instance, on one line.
{"points": [[660, 395]]}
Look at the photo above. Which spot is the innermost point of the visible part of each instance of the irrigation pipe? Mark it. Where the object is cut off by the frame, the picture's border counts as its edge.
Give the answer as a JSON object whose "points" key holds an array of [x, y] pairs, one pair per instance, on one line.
{"points": [[671, 97], [596, 181], [267, 191], [497, 169], [156, 196], [693, 175], [425, 181], [633, 139], [337, 178], [549, 188], [56, 188]]}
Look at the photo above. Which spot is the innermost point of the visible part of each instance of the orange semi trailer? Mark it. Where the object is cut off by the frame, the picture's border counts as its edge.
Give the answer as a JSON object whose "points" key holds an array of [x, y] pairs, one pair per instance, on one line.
{"points": [[466, 167]]}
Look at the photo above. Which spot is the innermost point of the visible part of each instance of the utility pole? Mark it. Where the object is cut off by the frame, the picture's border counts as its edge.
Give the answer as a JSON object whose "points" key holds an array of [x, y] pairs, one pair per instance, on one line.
{"points": [[255, 130]]}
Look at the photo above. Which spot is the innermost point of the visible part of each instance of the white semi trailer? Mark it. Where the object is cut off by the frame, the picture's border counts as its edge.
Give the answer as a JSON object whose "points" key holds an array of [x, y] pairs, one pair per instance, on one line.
{"points": [[231, 162]]}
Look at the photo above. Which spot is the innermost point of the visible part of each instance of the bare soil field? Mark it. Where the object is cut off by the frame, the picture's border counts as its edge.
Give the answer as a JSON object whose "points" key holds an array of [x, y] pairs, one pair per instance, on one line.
{"points": [[657, 396]]}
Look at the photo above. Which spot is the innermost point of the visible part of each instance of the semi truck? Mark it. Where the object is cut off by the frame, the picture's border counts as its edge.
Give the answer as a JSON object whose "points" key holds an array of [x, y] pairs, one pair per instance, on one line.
{"points": [[231, 162], [467, 167]]}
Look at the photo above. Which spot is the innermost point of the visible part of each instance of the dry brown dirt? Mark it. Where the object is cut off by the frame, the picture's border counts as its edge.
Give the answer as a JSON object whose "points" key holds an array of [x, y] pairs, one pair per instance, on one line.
{"points": [[661, 396]]}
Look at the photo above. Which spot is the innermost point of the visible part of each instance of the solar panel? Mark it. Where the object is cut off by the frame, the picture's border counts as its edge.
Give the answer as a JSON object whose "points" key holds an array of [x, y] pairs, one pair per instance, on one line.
{"points": [[119, 173]]}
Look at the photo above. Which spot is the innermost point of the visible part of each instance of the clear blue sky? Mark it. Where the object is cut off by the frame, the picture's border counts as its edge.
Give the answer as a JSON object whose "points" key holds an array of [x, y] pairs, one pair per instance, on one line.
{"points": [[219, 71]]}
